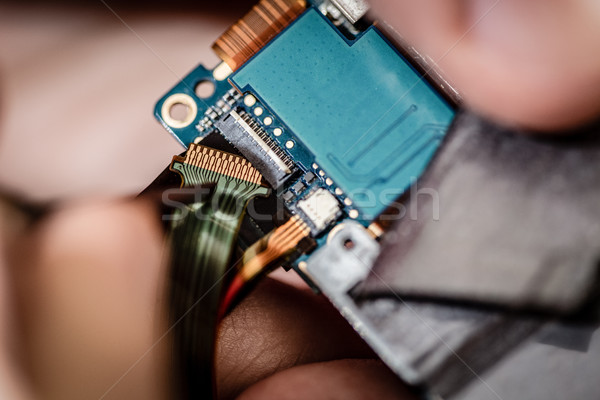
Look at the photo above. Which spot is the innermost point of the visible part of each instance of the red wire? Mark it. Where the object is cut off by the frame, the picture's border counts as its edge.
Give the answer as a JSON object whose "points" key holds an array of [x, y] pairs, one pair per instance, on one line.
{"points": [[230, 296]]}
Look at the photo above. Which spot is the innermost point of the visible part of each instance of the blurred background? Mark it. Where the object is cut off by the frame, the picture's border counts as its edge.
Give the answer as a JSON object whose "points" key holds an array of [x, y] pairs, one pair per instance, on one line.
{"points": [[78, 83]]}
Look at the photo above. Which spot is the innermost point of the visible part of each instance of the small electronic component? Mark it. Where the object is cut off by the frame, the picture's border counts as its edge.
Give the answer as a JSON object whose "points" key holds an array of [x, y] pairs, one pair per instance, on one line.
{"points": [[255, 144], [353, 10], [287, 196], [321, 208], [309, 177], [299, 187]]}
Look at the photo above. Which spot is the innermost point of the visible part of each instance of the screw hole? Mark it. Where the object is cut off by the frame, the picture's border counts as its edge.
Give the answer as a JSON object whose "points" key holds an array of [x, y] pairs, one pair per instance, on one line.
{"points": [[205, 89], [179, 112], [349, 244]]}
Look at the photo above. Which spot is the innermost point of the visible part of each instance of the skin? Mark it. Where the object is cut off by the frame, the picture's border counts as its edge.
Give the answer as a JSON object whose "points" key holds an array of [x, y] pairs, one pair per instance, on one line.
{"points": [[532, 63], [83, 288], [88, 315]]}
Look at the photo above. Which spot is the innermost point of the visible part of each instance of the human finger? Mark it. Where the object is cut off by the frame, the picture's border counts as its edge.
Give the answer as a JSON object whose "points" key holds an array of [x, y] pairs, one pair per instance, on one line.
{"points": [[88, 279], [341, 379], [531, 63], [277, 327]]}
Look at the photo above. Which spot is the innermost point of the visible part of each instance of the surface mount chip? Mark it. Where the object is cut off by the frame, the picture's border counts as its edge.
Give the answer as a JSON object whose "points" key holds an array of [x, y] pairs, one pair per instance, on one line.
{"points": [[321, 208]]}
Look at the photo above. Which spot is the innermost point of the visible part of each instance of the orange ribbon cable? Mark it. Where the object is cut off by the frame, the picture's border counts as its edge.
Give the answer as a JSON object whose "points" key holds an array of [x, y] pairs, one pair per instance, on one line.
{"points": [[251, 33], [263, 254]]}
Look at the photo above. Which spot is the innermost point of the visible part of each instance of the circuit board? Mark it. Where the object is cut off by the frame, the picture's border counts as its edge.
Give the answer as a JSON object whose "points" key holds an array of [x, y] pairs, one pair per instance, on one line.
{"points": [[336, 118]]}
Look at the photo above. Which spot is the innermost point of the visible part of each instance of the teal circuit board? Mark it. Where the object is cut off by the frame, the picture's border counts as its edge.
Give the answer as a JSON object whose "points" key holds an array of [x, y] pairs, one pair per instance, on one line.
{"points": [[339, 123]]}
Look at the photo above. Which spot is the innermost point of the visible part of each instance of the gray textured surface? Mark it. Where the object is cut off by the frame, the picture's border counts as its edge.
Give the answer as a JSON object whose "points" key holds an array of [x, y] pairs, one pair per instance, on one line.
{"points": [[445, 346], [440, 347], [545, 368], [519, 222]]}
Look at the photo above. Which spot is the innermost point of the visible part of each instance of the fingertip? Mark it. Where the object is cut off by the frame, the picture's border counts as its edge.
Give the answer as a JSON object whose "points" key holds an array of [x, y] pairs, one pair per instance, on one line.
{"points": [[341, 379], [277, 327], [91, 280]]}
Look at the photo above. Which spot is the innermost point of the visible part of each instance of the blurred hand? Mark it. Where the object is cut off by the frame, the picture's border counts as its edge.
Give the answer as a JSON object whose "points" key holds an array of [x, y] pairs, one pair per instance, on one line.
{"points": [[90, 287], [531, 63]]}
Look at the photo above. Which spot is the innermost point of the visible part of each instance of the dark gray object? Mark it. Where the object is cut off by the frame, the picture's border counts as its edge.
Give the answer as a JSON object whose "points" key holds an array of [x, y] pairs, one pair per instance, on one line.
{"points": [[447, 303], [518, 227], [434, 346]]}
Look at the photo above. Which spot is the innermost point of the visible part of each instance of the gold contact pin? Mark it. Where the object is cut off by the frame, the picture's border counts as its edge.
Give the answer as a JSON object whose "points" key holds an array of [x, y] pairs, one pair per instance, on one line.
{"points": [[220, 162]]}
